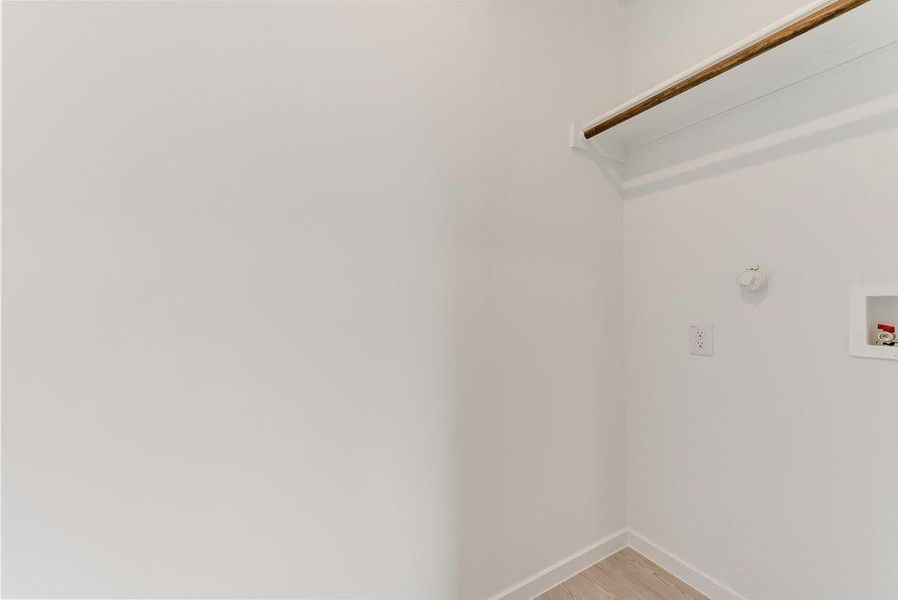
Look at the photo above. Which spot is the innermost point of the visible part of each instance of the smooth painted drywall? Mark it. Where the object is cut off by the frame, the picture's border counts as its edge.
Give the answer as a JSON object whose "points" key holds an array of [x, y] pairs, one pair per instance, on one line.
{"points": [[305, 300], [771, 465], [664, 38]]}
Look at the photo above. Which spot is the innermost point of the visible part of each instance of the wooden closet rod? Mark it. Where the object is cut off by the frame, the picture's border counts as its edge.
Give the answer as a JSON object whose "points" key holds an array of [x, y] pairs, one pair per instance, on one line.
{"points": [[781, 36]]}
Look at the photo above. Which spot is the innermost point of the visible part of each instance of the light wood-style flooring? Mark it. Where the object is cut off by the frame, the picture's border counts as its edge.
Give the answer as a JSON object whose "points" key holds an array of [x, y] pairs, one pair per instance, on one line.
{"points": [[626, 575]]}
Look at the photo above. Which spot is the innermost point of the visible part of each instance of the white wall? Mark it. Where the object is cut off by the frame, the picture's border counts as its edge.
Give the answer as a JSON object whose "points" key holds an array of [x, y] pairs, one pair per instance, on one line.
{"points": [[769, 466], [305, 299], [663, 38]]}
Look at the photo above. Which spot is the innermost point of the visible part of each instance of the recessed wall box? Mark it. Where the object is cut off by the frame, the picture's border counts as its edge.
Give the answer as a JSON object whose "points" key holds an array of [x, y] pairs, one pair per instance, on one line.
{"points": [[871, 305]]}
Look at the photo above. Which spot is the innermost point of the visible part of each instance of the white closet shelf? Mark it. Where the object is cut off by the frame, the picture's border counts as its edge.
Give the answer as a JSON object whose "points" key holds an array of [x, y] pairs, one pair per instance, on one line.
{"points": [[854, 29]]}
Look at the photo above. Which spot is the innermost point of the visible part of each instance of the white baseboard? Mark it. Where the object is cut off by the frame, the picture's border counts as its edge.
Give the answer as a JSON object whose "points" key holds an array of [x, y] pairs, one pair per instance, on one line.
{"points": [[564, 569], [582, 560], [701, 581]]}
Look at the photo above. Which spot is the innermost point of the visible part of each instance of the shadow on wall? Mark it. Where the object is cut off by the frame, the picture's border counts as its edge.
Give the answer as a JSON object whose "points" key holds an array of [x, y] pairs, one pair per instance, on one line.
{"points": [[774, 152], [774, 126], [535, 334]]}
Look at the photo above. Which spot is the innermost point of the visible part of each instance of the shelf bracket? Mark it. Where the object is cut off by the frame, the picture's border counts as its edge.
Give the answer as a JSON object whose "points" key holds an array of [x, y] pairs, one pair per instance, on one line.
{"points": [[594, 150]]}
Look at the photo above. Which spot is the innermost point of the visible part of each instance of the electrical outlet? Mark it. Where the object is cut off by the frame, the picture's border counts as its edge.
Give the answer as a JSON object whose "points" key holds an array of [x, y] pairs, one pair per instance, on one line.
{"points": [[701, 339]]}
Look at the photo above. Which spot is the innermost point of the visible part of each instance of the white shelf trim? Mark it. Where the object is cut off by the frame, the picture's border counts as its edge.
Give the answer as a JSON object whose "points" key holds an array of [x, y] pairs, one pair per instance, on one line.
{"points": [[643, 148], [722, 55]]}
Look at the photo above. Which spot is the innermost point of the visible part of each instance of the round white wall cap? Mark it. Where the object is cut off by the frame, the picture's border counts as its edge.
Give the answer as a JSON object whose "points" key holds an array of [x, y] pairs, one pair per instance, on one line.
{"points": [[752, 279]]}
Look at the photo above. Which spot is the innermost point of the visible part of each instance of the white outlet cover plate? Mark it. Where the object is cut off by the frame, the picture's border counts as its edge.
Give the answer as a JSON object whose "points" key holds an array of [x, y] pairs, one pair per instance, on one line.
{"points": [[701, 339]]}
